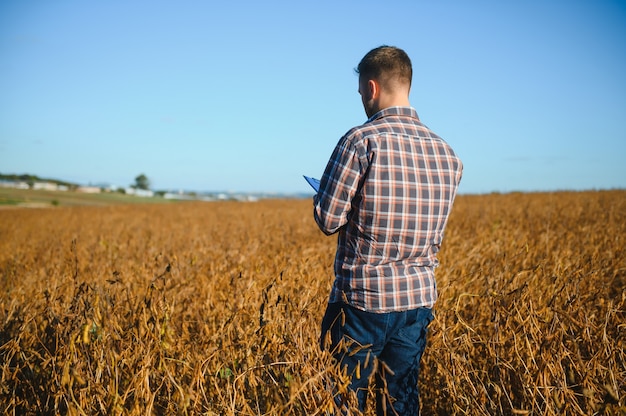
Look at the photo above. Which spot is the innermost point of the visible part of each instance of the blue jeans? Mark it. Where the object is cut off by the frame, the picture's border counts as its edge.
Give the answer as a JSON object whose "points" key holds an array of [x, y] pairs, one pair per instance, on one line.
{"points": [[396, 339]]}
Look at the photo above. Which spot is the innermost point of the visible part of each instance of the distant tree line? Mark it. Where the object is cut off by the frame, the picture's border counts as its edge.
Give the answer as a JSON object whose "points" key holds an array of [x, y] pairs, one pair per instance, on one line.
{"points": [[31, 179], [141, 181]]}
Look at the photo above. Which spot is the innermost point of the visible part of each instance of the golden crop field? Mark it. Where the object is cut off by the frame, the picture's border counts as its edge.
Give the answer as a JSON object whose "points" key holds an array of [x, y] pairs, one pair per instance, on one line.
{"points": [[214, 308]]}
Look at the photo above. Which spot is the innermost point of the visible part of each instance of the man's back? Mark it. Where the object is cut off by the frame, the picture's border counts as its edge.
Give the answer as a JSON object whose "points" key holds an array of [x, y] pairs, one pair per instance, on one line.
{"points": [[397, 184]]}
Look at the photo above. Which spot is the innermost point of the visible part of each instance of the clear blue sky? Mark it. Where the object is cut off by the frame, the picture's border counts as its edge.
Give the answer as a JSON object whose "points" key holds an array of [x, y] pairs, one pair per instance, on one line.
{"points": [[248, 96]]}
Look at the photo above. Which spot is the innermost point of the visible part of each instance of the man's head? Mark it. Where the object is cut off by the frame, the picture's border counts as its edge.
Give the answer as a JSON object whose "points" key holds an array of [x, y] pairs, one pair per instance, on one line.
{"points": [[385, 75]]}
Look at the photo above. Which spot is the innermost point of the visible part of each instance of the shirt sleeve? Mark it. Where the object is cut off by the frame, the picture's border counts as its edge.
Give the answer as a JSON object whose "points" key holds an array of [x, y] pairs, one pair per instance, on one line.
{"points": [[339, 185]]}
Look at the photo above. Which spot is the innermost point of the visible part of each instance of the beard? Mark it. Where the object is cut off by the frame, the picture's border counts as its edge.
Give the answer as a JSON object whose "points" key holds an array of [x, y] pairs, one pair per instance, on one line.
{"points": [[370, 108]]}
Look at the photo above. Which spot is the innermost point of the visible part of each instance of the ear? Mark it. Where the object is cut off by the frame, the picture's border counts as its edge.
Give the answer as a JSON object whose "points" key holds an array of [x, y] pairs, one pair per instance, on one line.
{"points": [[373, 87]]}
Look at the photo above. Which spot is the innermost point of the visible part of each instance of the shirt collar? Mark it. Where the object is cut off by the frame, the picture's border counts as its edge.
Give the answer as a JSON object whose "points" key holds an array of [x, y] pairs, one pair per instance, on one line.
{"points": [[394, 111]]}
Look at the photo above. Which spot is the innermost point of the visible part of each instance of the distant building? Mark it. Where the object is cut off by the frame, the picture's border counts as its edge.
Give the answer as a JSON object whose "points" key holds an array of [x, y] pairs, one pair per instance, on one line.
{"points": [[88, 189], [14, 184], [45, 186], [106, 187], [146, 193]]}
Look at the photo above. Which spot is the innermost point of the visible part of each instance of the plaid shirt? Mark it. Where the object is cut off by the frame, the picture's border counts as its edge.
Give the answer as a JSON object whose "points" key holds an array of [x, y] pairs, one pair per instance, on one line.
{"points": [[387, 189]]}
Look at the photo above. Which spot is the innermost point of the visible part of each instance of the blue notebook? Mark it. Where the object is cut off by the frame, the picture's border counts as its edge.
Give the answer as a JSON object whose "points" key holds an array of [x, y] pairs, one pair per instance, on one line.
{"points": [[315, 183]]}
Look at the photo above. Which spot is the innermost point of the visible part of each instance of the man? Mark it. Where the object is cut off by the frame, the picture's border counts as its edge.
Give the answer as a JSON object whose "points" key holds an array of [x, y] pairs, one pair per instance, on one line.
{"points": [[387, 190]]}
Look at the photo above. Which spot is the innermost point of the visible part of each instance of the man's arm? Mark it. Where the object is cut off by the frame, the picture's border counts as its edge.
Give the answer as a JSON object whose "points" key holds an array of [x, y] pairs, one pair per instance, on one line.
{"points": [[338, 186]]}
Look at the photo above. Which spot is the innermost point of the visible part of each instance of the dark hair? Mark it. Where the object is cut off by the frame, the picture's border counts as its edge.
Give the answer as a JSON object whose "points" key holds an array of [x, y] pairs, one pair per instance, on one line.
{"points": [[386, 63]]}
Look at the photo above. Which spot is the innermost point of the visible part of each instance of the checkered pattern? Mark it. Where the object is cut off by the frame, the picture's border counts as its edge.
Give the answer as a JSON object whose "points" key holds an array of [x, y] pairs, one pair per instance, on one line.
{"points": [[387, 189]]}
